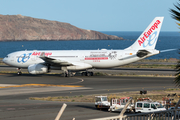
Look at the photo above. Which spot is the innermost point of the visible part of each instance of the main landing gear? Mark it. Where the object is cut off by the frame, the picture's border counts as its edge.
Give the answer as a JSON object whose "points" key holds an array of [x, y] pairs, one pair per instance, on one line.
{"points": [[71, 74], [87, 73], [68, 73], [19, 71]]}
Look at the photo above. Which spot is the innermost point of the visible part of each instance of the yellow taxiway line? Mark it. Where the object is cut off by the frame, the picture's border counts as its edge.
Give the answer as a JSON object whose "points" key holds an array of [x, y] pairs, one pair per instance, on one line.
{"points": [[39, 85]]}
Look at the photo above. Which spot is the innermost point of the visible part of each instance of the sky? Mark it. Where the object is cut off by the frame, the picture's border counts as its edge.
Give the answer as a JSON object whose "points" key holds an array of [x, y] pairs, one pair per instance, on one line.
{"points": [[98, 15]]}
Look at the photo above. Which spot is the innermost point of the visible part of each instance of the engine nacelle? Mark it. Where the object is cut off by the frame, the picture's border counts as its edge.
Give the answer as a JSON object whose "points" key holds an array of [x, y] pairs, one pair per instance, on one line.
{"points": [[37, 69]]}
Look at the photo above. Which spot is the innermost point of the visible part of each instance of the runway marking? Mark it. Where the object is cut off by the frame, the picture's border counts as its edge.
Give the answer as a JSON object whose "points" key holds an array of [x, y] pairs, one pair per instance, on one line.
{"points": [[78, 81], [5, 85], [26, 104], [39, 85]]}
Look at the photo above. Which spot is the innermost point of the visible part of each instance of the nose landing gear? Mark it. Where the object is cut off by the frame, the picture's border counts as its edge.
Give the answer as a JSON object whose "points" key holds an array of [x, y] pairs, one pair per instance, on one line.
{"points": [[19, 71]]}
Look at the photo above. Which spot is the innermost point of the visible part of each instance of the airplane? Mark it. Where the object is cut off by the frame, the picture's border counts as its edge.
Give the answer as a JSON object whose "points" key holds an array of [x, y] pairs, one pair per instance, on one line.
{"points": [[40, 62]]}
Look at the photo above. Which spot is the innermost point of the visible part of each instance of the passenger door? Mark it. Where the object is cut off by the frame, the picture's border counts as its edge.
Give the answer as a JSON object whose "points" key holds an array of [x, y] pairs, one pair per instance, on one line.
{"points": [[146, 107], [153, 107]]}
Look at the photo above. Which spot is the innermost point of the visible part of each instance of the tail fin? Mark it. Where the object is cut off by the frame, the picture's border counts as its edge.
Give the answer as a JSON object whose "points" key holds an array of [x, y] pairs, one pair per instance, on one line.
{"points": [[148, 39]]}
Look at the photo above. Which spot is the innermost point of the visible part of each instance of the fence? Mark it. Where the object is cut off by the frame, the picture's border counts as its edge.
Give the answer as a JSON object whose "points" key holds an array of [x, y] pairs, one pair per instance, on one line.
{"points": [[173, 114], [160, 115]]}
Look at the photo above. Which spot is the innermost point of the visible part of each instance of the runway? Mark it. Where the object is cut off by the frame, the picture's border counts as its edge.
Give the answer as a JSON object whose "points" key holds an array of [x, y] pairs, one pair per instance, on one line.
{"points": [[112, 71], [15, 91]]}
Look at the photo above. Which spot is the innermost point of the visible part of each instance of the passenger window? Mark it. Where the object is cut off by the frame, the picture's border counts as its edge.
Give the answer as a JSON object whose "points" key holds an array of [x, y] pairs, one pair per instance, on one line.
{"points": [[153, 106], [139, 104], [146, 105]]}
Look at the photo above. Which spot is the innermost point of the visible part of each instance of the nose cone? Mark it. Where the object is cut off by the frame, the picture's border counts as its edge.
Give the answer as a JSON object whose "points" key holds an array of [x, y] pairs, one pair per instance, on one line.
{"points": [[4, 60]]}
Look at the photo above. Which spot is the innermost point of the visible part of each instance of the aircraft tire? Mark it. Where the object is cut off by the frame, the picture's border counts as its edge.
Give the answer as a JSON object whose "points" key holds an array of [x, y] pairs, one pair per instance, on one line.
{"points": [[83, 73], [71, 74], [92, 73], [88, 73], [66, 75], [19, 73]]}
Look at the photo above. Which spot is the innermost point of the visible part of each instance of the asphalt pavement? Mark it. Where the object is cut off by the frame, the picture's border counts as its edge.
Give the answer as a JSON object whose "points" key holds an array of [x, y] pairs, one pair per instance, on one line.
{"points": [[16, 90]]}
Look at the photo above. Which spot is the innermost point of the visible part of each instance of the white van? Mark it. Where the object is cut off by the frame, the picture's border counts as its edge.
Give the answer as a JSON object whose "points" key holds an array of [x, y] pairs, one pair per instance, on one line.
{"points": [[146, 106], [101, 102]]}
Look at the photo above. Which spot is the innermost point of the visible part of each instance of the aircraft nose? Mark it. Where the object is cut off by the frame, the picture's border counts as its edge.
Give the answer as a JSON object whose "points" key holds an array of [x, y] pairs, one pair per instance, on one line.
{"points": [[5, 60]]}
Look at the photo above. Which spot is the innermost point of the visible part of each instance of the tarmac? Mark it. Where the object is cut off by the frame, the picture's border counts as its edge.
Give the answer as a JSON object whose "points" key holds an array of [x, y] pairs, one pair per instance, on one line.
{"points": [[16, 91]]}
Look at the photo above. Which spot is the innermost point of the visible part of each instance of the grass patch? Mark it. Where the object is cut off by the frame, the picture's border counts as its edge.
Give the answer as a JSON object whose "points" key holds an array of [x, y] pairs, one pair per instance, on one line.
{"points": [[155, 95], [149, 66], [1, 62], [100, 74]]}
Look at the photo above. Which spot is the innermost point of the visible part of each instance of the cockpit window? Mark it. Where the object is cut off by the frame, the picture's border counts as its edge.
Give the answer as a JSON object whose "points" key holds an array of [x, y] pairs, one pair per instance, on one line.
{"points": [[7, 56]]}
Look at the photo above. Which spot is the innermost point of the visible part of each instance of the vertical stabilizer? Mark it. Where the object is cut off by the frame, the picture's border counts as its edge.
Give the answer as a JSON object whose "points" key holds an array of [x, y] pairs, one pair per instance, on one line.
{"points": [[148, 39]]}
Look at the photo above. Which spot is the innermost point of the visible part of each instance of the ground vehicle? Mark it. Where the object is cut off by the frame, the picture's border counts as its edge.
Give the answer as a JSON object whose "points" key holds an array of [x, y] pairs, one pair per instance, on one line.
{"points": [[148, 106], [172, 113], [119, 104], [101, 102]]}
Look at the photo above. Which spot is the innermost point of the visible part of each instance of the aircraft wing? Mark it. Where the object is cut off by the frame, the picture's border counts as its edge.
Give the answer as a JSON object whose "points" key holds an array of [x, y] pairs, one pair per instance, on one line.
{"points": [[70, 65], [53, 61]]}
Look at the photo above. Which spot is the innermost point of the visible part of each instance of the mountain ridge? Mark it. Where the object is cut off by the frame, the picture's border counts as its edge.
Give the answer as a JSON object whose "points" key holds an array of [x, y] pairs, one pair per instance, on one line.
{"points": [[18, 27]]}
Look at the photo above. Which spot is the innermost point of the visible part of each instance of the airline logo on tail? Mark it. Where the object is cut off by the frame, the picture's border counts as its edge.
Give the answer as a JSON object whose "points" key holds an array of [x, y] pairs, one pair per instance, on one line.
{"points": [[147, 35]]}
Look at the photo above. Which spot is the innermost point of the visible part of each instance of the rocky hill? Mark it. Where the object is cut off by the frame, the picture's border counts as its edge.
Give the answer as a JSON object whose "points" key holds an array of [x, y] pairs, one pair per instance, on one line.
{"points": [[18, 27]]}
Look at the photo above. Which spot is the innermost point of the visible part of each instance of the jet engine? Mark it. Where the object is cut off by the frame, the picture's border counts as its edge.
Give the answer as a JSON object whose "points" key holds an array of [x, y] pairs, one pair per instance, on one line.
{"points": [[37, 69]]}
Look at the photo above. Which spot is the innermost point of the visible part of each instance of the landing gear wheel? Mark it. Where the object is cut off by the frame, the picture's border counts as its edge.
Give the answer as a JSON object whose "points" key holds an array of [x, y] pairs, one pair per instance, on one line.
{"points": [[71, 74], [66, 75], [87, 73], [83, 73], [19, 73], [92, 73]]}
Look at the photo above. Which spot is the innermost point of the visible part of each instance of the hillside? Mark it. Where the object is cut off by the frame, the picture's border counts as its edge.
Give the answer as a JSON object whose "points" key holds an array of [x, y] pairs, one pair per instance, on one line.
{"points": [[18, 27]]}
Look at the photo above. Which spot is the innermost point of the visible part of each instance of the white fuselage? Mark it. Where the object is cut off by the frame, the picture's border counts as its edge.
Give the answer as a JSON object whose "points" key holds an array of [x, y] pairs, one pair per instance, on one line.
{"points": [[96, 58]]}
